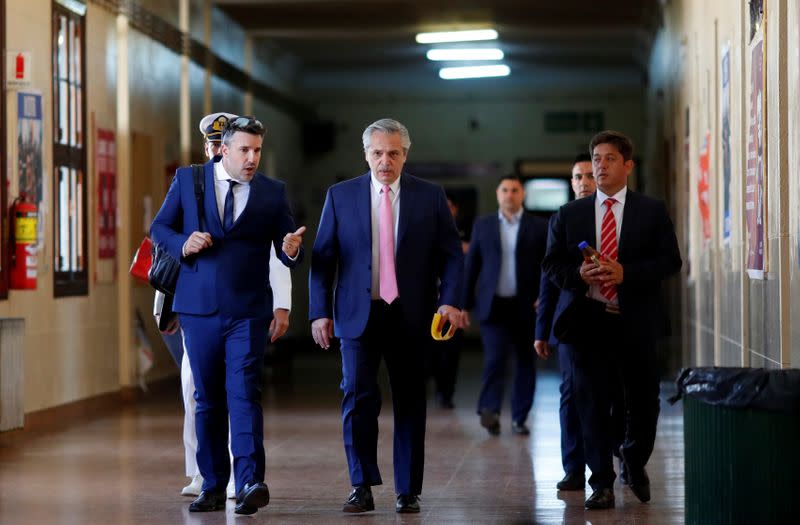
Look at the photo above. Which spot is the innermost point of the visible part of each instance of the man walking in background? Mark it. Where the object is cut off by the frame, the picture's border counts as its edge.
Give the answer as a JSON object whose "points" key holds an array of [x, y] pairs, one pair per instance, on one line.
{"points": [[502, 273], [572, 459]]}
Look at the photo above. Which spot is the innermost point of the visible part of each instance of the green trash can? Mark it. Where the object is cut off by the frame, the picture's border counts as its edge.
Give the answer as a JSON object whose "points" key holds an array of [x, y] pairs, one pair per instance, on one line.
{"points": [[742, 445]]}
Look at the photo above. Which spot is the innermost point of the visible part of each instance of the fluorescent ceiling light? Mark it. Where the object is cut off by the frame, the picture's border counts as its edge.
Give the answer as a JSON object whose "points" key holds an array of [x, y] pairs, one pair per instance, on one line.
{"points": [[450, 73], [456, 36], [465, 54]]}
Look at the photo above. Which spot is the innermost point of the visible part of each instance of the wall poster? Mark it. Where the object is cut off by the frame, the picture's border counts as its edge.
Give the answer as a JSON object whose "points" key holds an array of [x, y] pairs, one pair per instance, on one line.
{"points": [[755, 179], [725, 141], [106, 167], [702, 187], [29, 156]]}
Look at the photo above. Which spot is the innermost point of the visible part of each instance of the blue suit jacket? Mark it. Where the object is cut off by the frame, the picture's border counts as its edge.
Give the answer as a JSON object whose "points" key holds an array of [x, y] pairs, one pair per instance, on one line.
{"points": [[648, 252], [232, 276], [482, 267], [548, 298], [427, 250]]}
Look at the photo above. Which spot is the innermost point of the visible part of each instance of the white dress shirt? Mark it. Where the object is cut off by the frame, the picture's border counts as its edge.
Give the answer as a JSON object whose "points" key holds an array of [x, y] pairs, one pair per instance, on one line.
{"points": [[376, 188], [509, 230], [599, 212]]}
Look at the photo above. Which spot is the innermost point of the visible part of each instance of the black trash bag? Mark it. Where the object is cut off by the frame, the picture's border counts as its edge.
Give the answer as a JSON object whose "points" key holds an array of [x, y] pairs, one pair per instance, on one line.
{"points": [[759, 388]]}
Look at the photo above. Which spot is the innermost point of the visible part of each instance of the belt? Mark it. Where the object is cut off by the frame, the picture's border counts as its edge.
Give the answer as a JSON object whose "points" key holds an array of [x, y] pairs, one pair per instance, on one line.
{"points": [[610, 308]]}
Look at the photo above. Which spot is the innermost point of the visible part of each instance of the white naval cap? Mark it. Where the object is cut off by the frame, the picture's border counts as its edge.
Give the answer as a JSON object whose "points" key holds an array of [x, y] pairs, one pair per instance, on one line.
{"points": [[211, 125]]}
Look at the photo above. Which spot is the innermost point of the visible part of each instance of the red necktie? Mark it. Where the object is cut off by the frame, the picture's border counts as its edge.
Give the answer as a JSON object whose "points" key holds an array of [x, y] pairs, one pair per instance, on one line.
{"points": [[608, 245]]}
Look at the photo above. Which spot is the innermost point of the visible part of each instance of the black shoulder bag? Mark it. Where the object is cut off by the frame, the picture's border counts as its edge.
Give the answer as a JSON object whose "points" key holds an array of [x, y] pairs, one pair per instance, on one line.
{"points": [[163, 274]]}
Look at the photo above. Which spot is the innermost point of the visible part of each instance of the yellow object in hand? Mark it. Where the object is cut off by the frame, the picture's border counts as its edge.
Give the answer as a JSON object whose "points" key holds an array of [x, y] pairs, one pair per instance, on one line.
{"points": [[436, 329]]}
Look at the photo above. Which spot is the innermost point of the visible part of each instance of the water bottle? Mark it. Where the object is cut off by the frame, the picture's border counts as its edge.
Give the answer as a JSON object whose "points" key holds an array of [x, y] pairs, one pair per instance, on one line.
{"points": [[589, 253]]}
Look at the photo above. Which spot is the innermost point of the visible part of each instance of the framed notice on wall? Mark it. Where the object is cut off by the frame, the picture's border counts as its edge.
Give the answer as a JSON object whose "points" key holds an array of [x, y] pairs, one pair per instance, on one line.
{"points": [[106, 194]]}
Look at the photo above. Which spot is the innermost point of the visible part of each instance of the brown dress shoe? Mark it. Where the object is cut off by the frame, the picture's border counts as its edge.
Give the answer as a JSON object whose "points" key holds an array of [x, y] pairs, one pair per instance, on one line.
{"points": [[490, 421]]}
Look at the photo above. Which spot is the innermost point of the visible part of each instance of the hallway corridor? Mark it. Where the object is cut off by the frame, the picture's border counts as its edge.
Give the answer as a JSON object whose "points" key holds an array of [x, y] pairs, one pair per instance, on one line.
{"points": [[127, 468]]}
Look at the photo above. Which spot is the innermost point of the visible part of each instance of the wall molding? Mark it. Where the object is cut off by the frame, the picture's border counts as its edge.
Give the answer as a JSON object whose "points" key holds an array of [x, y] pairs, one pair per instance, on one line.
{"points": [[174, 39]]}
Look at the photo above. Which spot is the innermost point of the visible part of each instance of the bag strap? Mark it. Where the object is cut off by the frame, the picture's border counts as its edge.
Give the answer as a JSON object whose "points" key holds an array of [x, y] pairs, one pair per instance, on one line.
{"points": [[199, 191]]}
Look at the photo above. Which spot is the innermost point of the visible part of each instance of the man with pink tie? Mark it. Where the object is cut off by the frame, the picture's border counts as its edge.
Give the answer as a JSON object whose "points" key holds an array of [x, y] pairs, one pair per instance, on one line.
{"points": [[387, 244]]}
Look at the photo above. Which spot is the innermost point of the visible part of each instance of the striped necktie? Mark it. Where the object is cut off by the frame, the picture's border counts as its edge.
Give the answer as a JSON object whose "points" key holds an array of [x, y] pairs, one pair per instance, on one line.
{"points": [[608, 245]]}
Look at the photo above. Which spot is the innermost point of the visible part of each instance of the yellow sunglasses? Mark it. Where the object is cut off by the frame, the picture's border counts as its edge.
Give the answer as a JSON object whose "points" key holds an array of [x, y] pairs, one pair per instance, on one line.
{"points": [[436, 329]]}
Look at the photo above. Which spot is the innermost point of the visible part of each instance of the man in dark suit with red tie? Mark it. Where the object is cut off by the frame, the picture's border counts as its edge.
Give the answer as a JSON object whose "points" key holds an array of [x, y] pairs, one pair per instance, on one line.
{"points": [[386, 254], [621, 296]]}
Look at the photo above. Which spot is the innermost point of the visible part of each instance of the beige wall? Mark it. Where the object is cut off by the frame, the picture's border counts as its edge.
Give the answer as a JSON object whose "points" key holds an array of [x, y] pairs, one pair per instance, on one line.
{"points": [[730, 318], [71, 346], [70, 343]]}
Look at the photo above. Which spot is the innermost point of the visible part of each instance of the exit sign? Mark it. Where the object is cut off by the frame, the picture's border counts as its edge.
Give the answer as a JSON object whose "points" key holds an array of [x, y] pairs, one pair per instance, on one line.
{"points": [[574, 121]]}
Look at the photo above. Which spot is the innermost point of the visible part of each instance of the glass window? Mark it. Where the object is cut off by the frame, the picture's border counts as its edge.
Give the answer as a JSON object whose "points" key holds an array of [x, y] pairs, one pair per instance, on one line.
{"points": [[69, 154]]}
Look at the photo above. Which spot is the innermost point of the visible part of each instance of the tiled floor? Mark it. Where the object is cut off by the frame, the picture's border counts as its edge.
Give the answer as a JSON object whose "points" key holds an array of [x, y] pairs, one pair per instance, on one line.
{"points": [[127, 467]]}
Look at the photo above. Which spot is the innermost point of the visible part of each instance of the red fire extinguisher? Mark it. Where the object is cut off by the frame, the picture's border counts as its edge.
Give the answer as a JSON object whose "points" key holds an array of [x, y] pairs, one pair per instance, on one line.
{"points": [[23, 245], [20, 69]]}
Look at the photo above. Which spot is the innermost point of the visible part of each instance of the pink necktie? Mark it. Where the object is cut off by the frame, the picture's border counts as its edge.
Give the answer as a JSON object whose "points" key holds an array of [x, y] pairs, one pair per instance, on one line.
{"points": [[388, 281], [608, 245]]}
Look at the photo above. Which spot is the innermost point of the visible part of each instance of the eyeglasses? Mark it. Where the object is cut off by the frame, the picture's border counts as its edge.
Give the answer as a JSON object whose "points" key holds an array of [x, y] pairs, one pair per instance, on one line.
{"points": [[245, 122]]}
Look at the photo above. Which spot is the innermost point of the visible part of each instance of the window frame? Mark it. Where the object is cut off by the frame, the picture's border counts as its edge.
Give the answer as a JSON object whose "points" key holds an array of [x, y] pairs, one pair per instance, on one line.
{"points": [[5, 246], [70, 282]]}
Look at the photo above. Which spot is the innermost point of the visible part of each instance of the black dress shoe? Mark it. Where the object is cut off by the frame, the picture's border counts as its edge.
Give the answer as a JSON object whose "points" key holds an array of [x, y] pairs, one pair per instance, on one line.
{"points": [[600, 499], [638, 480], [572, 481], [445, 402], [208, 501], [360, 500], [490, 421], [252, 497], [407, 504], [520, 429]]}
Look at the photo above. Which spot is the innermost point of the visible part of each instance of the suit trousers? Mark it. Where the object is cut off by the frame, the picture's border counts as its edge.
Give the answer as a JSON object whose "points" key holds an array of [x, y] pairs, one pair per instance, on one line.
{"points": [[386, 336], [226, 357], [615, 362], [505, 334], [572, 457]]}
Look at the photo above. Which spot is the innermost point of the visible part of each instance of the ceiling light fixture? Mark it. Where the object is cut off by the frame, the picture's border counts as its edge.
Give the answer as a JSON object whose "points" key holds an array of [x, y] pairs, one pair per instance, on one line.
{"points": [[453, 73], [456, 36], [465, 54]]}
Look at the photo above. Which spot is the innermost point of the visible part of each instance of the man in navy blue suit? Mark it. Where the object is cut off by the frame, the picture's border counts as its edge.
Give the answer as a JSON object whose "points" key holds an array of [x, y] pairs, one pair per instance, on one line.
{"points": [[386, 253], [583, 185], [224, 303], [501, 284], [620, 296]]}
